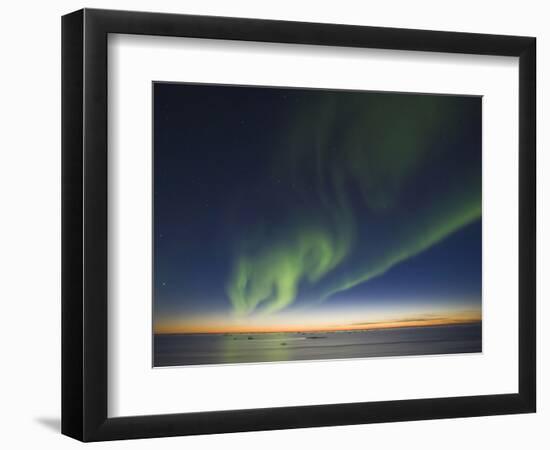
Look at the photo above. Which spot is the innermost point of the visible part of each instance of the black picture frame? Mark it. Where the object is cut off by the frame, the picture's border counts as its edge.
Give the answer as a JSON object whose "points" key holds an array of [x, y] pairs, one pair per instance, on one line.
{"points": [[84, 224]]}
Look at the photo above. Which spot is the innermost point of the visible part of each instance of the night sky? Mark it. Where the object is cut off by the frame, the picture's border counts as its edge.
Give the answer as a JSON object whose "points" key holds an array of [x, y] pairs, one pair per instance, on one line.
{"points": [[297, 208]]}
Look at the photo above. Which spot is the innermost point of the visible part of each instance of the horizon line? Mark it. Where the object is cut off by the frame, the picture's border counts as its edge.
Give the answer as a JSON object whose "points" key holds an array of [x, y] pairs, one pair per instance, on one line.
{"points": [[326, 330]]}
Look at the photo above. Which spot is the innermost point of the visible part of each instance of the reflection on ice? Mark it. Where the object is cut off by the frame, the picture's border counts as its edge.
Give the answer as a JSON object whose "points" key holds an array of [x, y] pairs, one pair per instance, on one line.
{"points": [[196, 349]]}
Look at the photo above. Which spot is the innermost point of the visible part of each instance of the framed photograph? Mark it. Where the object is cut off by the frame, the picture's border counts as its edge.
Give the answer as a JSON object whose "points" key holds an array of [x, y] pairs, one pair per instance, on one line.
{"points": [[266, 224]]}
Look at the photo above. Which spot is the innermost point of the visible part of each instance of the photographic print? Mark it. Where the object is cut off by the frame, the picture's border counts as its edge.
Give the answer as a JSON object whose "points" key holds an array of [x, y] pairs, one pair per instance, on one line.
{"points": [[296, 224]]}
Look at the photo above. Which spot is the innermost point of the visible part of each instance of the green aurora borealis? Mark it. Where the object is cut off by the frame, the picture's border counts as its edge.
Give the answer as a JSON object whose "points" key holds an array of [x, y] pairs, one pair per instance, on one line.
{"points": [[343, 147]]}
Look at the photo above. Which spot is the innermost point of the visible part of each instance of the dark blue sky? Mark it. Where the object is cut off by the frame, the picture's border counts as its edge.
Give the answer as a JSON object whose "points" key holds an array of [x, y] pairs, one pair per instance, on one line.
{"points": [[272, 200]]}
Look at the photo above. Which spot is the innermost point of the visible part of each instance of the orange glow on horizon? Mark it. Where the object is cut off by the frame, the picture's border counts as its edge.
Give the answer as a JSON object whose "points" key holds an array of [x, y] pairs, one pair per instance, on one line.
{"points": [[214, 327]]}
